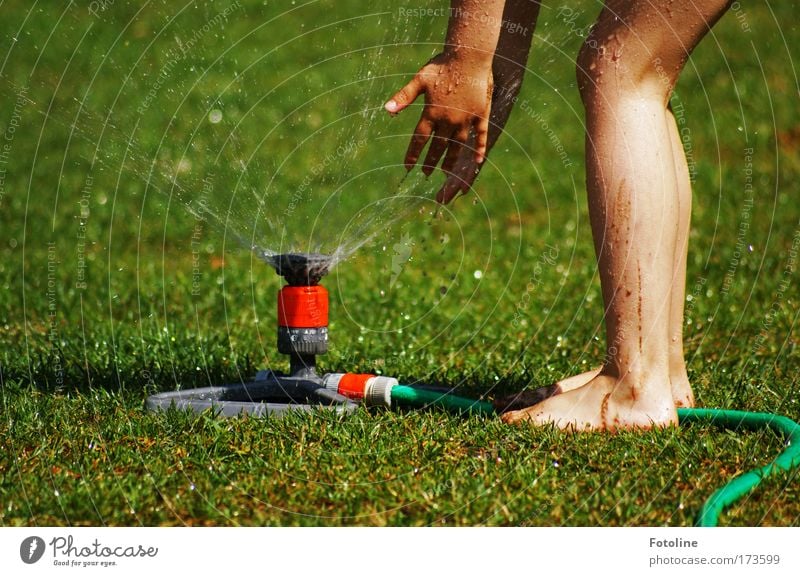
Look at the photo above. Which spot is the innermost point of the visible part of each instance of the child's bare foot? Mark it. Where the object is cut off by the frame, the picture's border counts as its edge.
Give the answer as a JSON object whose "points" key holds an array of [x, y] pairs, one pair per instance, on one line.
{"points": [[682, 394], [531, 396], [525, 398], [572, 382], [605, 403]]}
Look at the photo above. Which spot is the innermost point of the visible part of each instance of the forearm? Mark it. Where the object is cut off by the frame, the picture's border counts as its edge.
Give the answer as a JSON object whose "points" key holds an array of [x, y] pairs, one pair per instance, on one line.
{"points": [[508, 69], [516, 35], [473, 30], [510, 60]]}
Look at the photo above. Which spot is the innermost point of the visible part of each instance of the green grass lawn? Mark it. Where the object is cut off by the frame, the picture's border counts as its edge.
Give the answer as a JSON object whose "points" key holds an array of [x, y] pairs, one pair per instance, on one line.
{"points": [[115, 116]]}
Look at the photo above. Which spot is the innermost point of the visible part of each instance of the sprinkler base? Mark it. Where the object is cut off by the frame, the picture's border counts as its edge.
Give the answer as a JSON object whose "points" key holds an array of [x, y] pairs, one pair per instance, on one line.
{"points": [[269, 394]]}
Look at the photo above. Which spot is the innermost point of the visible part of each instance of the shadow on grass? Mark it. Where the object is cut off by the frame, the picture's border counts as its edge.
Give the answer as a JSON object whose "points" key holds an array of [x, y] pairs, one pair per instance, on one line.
{"points": [[55, 373]]}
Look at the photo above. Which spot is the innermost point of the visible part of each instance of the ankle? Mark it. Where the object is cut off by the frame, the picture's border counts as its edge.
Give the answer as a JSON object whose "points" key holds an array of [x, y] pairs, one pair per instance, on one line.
{"points": [[639, 386], [636, 374]]}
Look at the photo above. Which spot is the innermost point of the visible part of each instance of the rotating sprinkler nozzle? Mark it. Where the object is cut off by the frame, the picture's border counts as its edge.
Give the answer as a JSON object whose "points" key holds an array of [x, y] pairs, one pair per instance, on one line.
{"points": [[301, 269]]}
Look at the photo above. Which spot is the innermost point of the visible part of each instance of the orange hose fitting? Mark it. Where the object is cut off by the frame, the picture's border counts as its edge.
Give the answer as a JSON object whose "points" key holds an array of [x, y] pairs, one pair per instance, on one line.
{"points": [[353, 385]]}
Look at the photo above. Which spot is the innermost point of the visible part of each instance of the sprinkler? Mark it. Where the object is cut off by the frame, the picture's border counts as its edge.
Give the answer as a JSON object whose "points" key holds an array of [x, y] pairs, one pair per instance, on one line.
{"points": [[302, 335]]}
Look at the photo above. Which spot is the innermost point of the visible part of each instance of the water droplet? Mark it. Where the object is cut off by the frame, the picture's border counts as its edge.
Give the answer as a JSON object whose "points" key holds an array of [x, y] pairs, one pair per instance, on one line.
{"points": [[477, 274], [215, 116]]}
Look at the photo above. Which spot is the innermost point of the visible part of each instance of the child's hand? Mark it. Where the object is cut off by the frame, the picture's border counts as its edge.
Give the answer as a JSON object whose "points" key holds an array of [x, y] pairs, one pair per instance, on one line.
{"points": [[458, 99], [508, 69], [463, 173]]}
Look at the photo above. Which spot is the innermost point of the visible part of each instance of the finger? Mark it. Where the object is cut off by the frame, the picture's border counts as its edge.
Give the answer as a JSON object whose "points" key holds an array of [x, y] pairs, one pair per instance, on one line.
{"points": [[438, 145], [405, 96], [454, 151], [463, 175], [421, 134], [481, 138], [449, 190], [453, 186]]}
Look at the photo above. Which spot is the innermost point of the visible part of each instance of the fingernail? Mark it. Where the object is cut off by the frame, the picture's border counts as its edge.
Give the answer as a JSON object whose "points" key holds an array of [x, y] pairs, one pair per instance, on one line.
{"points": [[391, 106]]}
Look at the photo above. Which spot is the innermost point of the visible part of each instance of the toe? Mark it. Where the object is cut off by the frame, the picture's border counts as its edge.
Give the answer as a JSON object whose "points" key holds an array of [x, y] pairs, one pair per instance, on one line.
{"points": [[515, 416]]}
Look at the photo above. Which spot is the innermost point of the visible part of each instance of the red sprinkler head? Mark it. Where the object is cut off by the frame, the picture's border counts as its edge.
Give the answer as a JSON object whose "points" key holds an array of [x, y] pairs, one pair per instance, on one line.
{"points": [[303, 320], [302, 308]]}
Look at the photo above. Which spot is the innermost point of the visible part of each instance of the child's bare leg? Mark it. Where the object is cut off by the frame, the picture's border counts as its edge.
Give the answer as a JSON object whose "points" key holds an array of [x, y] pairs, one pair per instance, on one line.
{"points": [[627, 70], [679, 380], [682, 393]]}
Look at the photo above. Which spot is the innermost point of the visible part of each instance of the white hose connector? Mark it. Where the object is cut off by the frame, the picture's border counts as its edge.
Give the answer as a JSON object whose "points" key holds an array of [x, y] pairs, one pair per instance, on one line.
{"points": [[378, 391], [372, 390], [331, 381]]}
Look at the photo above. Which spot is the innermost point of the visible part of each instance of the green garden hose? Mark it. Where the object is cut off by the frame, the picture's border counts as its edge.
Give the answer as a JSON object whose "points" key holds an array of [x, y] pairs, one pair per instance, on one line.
{"points": [[787, 460], [724, 497], [408, 396]]}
